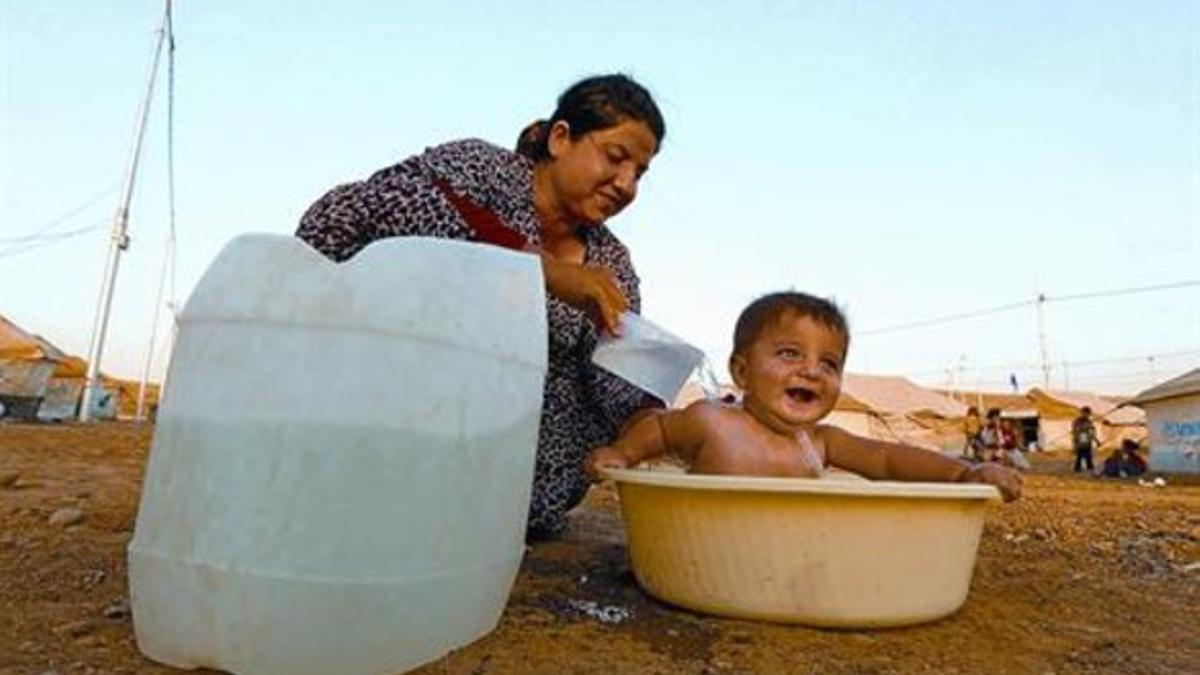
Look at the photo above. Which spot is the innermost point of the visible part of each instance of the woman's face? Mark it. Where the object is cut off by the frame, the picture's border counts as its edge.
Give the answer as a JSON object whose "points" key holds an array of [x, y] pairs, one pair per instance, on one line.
{"points": [[596, 175]]}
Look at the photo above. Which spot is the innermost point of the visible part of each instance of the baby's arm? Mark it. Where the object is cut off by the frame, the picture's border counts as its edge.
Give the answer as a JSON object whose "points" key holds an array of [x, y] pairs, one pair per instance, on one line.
{"points": [[654, 434], [881, 460]]}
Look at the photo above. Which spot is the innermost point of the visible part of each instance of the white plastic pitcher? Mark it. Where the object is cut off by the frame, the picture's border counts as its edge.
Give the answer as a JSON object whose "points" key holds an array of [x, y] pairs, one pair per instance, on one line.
{"points": [[649, 357], [340, 474]]}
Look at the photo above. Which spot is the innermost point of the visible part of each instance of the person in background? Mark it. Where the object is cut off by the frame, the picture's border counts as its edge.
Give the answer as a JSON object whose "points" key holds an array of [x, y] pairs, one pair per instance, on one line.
{"points": [[1132, 462], [1113, 466], [1010, 446], [1084, 440], [550, 198], [972, 441], [1008, 435], [990, 436], [1124, 461]]}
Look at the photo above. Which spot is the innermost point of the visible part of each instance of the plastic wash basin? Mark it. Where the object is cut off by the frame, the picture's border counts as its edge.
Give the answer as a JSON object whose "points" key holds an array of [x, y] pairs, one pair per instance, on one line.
{"points": [[824, 552]]}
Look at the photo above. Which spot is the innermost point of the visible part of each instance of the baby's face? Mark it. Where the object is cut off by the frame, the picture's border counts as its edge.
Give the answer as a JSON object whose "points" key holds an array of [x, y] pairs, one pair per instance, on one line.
{"points": [[792, 372]]}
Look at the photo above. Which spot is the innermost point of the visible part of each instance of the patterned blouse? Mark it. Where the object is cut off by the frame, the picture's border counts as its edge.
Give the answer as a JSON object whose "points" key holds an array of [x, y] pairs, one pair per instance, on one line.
{"points": [[584, 405]]}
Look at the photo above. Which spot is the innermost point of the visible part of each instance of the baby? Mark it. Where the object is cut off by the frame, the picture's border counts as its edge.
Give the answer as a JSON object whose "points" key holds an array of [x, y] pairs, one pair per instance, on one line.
{"points": [[788, 353]]}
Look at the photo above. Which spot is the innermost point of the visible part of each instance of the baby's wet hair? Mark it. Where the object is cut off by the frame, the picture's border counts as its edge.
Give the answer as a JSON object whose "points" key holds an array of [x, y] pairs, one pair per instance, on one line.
{"points": [[774, 306]]}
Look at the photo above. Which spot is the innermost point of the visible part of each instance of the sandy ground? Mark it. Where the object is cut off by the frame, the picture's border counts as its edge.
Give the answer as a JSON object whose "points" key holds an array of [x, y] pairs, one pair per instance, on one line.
{"points": [[1082, 575]]}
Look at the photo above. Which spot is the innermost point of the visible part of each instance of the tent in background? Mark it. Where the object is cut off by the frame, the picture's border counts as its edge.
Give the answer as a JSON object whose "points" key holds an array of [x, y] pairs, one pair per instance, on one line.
{"points": [[856, 417], [40, 381], [1058, 408], [1016, 407], [1173, 417], [27, 363], [895, 408], [65, 392]]}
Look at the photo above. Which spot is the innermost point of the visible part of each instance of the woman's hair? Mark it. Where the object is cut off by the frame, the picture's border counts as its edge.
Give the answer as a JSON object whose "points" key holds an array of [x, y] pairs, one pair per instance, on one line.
{"points": [[591, 104], [773, 306]]}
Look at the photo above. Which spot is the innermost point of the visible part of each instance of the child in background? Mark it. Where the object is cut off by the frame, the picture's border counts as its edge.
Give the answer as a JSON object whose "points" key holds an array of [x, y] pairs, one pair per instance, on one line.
{"points": [[972, 431], [1124, 462], [1084, 438], [788, 353], [1112, 464], [1134, 464], [990, 436]]}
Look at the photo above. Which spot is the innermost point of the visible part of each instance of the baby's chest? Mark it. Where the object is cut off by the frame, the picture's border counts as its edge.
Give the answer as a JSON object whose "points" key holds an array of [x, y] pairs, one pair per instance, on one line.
{"points": [[797, 459], [763, 455]]}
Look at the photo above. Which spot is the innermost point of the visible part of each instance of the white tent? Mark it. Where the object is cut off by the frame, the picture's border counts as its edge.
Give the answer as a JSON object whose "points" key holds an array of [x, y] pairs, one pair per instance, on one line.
{"points": [[1173, 416]]}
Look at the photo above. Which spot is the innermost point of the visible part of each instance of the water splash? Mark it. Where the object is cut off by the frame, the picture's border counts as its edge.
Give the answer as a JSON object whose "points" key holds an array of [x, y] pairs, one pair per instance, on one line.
{"points": [[602, 613]]}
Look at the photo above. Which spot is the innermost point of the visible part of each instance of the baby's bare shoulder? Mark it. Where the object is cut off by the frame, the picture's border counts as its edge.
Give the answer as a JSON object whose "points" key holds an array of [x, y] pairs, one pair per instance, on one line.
{"points": [[704, 409], [709, 417], [825, 431], [829, 436]]}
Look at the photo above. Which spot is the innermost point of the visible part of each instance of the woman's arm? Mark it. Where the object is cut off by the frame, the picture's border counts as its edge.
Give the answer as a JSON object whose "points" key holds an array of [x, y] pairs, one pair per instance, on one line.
{"points": [[400, 200], [589, 288], [336, 225], [404, 199]]}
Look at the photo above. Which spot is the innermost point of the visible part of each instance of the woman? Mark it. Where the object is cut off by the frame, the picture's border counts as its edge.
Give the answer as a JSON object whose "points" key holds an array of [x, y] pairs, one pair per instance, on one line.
{"points": [[571, 173]]}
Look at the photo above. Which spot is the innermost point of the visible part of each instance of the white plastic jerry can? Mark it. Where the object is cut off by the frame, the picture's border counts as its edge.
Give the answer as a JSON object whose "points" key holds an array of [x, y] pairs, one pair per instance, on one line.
{"points": [[340, 474]]}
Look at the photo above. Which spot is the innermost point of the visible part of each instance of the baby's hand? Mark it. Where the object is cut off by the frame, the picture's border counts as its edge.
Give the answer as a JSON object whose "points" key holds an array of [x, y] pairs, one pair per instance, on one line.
{"points": [[605, 457], [1006, 479]]}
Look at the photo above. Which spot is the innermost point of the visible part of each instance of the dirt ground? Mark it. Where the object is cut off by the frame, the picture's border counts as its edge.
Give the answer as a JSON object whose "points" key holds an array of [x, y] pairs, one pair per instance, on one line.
{"points": [[1082, 575]]}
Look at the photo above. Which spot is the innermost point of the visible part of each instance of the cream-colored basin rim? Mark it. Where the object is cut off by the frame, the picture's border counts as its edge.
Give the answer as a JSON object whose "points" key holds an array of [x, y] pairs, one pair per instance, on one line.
{"points": [[813, 486]]}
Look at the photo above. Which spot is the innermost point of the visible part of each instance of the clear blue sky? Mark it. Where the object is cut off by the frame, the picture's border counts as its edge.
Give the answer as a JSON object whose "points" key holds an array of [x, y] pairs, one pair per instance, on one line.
{"points": [[912, 159]]}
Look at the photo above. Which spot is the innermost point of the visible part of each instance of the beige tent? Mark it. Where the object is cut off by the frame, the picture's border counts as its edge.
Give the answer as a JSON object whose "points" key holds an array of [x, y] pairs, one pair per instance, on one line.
{"points": [[1058, 408], [65, 392], [1173, 413], [895, 408], [27, 363], [1016, 407], [39, 380]]}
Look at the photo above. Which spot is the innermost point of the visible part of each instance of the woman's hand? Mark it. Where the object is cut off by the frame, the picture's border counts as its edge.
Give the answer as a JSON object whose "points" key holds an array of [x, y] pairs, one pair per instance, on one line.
{"points": [[1008, 481], [605, 457], [590, 288]]}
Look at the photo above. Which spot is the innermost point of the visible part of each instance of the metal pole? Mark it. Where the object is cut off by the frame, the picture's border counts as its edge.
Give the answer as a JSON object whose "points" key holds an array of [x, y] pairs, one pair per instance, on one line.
{"points": [[169, 248], [1041, 317], [119, 239], [962, 376], [140, 414]]}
